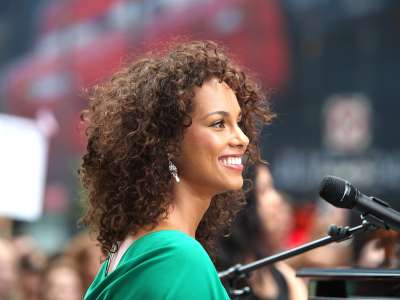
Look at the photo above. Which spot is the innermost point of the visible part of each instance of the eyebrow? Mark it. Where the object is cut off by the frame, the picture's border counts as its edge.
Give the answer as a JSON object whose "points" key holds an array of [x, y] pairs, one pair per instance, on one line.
{"points": [[220, 112]]}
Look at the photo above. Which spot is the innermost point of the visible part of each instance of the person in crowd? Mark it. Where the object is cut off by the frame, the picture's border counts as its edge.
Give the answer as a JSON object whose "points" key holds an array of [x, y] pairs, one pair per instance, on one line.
{"points": [[168, 138], [273, 209], [331, 255], [31, 263], [61, 280], [8, 270], [377, 249], [252, 238], [87, 255]]}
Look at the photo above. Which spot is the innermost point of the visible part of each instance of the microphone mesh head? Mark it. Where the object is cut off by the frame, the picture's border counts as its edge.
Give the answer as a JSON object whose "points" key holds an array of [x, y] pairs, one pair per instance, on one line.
{"points": [[337, 191]]}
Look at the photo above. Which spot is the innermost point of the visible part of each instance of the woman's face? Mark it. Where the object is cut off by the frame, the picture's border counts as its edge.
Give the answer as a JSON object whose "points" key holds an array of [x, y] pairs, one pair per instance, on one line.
{"points": [[213, 146]]}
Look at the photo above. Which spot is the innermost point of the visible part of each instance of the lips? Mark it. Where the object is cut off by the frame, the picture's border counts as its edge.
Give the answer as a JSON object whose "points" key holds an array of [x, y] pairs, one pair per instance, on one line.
{"points": [[233, 162]]}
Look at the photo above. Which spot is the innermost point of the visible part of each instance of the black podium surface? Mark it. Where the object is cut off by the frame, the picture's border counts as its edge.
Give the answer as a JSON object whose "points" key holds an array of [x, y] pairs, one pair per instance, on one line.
{"points": [[355, 284]]}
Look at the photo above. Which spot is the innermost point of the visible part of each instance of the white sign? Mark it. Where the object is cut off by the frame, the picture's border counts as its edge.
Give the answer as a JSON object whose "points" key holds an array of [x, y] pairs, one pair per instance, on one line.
{"points": [[23, 163]]}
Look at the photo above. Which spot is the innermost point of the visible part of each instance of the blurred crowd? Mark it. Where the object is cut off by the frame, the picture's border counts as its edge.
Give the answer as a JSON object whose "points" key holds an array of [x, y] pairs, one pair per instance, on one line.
{"points": [[270, 222], [27, 273]]}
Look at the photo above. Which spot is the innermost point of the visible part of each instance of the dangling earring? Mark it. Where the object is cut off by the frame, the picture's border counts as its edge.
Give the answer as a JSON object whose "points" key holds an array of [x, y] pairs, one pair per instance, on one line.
{"points": [[173, 170]]}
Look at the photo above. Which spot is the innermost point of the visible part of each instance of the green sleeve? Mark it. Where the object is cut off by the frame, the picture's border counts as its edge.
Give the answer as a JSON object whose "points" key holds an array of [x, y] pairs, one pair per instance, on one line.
{"points": [[184, 272], [163, 266]]}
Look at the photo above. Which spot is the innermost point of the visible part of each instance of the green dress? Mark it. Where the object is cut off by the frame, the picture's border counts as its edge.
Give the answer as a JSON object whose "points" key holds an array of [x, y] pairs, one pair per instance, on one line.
{"points": [[166, 264]]}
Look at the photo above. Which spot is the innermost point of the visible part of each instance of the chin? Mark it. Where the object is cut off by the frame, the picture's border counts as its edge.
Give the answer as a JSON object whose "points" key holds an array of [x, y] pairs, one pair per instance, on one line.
{"points": [[234, 185], [228, 182]]}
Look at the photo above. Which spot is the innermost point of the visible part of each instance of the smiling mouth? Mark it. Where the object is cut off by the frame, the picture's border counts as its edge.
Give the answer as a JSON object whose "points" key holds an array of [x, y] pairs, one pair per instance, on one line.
{"points": [[233, 163]]}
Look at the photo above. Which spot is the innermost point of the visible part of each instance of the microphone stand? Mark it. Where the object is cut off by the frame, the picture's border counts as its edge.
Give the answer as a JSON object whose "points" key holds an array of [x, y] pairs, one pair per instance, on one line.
{"points": [[335, 234]]}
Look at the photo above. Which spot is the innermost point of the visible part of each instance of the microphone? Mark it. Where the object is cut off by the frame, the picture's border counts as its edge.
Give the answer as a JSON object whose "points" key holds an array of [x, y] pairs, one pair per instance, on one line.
{"points": [[343, 194]]}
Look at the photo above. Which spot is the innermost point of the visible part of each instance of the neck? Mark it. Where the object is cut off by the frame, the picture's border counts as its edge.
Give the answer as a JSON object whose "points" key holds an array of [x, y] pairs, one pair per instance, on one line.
{"points": [[188, 208]]}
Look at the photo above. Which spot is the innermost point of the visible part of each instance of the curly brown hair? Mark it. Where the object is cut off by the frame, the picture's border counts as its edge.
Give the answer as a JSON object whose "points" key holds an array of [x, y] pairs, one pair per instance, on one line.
{"points": [[137, 119]]}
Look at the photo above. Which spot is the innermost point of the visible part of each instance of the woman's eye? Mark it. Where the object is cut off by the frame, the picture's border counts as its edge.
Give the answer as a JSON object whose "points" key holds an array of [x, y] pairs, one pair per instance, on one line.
{"points": [[219, 124]]}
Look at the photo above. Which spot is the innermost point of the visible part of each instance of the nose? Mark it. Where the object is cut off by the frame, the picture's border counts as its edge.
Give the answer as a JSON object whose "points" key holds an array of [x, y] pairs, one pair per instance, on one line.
{"points": [[239, 139]]}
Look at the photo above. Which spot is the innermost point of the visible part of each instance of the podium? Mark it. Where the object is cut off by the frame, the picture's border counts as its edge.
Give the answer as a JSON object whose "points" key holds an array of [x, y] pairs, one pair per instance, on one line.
{"points": [[354, 284]]}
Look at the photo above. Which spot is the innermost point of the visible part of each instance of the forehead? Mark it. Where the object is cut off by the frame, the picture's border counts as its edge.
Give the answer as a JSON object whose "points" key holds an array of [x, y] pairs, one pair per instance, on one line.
{"points": [[214, 95]]}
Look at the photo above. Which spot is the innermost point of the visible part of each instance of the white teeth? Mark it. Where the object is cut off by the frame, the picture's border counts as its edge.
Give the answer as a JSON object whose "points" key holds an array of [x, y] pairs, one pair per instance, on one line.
{"points": [[232, 161]]}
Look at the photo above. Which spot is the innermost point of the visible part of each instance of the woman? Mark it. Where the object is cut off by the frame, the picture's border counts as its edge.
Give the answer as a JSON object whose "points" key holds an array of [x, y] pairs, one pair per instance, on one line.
{"points": [[167, 140], [253, 238]]}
